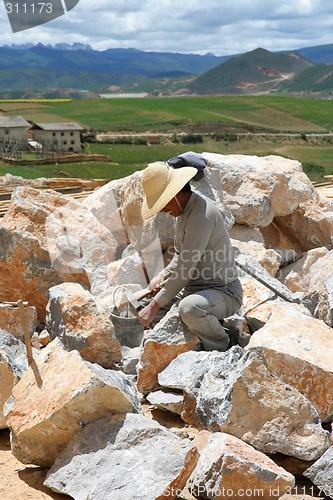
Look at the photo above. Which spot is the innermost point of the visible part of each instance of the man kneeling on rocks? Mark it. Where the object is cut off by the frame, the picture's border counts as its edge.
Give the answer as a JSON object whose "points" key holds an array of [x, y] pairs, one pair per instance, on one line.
{"points": [[202, 275]]}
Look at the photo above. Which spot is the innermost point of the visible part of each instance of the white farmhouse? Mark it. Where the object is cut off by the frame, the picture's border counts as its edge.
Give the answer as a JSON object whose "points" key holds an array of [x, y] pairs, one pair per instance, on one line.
{"points": [[65, 136], [13, 128]]}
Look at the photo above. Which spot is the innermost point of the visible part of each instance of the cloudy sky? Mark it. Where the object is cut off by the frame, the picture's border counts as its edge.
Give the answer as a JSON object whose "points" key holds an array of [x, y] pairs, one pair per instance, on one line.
{"points": [[223, 27]]}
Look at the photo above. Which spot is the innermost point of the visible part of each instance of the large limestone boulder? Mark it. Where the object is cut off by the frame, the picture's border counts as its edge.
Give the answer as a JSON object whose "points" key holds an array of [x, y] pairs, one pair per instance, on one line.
{"points": [[299, 350], [230, 468], [169, 338], [258, 189], [309, 226], [62, 394], [13, 364], [45, 239], [282, 419], [76, 318], [123, 457]]}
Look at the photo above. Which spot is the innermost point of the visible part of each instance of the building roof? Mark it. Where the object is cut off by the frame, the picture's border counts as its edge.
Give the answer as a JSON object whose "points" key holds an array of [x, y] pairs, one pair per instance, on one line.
{"points": [[13, 121], [114, 96], [57, 126], [34, 144]]}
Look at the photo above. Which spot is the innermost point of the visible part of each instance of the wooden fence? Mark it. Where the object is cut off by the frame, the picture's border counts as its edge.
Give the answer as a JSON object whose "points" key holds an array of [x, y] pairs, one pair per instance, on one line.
{"points": [[325, 188], [75, 187]]}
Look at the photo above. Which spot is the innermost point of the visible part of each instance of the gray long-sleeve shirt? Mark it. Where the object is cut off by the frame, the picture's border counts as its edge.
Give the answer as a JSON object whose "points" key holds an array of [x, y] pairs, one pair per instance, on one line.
{"points": [[204, 256]]}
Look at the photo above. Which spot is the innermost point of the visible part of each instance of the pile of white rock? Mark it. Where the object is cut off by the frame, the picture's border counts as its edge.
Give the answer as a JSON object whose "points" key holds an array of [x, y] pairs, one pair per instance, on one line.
{"points": [[261, 411]]}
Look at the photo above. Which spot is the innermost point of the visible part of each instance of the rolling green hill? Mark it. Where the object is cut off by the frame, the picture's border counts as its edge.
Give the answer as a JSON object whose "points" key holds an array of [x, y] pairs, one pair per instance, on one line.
{"points": [[318, 78], [285, 62], [233, 77], [253, 72]]}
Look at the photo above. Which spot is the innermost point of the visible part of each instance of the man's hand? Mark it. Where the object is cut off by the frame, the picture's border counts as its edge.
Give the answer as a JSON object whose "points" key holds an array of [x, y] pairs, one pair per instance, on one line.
{"points": [[155, 285], [148, 313]]}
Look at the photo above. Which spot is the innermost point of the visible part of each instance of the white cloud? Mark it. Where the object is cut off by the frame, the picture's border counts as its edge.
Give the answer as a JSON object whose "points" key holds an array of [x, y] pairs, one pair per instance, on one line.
{"points": [[194, 26]]}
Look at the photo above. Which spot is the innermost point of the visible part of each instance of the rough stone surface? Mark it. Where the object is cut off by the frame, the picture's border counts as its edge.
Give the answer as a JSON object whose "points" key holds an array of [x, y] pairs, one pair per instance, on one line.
{"points": [[271, 261], [47, 238], [74, 315], [282, 420], [296, 276], [13, 364], [130, 360], [258, 189], [321, 282], [103, 205], [255, 293], [259, 302], [211, 187], [188, 367], [58, 396], [287, 255], [321, 473], [309, 226], [252, 266], [127, 270], [268, 259], [122, 458], [169, 338], [230, 468], [243, 233], [299, 350], [10, 320], [170, 401]]}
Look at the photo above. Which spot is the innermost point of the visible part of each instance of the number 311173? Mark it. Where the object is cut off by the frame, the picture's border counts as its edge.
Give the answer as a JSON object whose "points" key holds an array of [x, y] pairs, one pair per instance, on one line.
{"points": [[33, 8]]}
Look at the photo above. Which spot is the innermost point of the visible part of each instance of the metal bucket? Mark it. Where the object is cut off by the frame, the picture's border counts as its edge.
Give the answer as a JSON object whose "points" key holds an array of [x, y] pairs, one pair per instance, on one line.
{"points": [[128, 330]]}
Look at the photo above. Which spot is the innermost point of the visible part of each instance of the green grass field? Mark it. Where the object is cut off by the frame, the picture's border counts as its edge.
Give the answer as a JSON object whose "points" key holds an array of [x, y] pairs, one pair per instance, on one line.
{"points": [[299, 117], [125, 159], [282, 114]]}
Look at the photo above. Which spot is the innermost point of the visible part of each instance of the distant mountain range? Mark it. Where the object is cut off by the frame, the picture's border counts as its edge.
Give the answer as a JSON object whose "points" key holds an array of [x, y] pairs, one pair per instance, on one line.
{"points": [[131, 61], [57, 46], [41, 68]]}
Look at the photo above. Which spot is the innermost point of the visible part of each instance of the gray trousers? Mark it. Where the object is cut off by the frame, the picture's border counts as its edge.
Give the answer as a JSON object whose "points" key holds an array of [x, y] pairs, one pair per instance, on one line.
{"points": [[202, 309]]}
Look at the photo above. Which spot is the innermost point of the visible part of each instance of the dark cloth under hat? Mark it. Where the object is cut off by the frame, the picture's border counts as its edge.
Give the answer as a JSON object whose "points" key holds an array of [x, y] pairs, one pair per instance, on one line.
{"points": [[190, 159]]}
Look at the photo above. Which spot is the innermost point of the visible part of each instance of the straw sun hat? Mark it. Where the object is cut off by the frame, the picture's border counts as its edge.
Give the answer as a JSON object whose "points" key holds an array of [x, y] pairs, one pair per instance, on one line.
{"points": [[161, 183]]}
